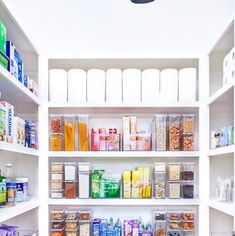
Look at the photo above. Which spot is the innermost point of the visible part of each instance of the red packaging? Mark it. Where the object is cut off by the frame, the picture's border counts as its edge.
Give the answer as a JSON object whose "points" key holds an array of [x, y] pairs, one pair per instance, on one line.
{"points": [[95, 140], [102, 139]]}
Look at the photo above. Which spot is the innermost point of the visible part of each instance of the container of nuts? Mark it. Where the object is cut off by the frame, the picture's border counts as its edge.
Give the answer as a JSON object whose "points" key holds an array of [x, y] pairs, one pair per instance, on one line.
{"points": [[187, 142], [174, 132], [187, 123]]}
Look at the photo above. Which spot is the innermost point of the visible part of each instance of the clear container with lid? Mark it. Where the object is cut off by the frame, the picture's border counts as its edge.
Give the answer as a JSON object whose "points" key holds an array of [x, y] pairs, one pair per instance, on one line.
{"points": [[85, 214], [84, 180], [187, 171], [160, 166], [160, 228], [70, 171], [57, 194], [59, 224], [57, 215], [71, 232], [174, 215], [160, 132], [57, 176], [188, 225], [83, 139], [174, 190], [57, 167], [187, 189], [187, 123], [69, 132], [175, 225], [70, 190], [71, 215], [57, 232], [71, 224], [56, 123], [174, 171], [187, 142], [57, 185], [85, 228], [56, 142], [188, 215], [159, 184], [160, 215], [174, 132]]}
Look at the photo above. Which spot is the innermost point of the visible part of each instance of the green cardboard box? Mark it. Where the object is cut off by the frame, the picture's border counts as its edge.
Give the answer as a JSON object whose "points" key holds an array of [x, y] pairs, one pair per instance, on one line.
{"points": [[3, 37]]}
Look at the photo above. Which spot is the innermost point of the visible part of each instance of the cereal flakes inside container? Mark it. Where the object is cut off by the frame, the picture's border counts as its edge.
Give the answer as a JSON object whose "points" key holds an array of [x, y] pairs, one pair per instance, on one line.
{"points": [[84, 228], [160, 132], [160, 185], [174, 171], [174, 190], [187, 123]]}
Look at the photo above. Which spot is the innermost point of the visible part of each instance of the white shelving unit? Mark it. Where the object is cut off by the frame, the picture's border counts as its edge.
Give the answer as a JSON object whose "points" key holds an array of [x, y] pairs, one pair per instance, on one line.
{"points": [[221, 113], [24, 160]]}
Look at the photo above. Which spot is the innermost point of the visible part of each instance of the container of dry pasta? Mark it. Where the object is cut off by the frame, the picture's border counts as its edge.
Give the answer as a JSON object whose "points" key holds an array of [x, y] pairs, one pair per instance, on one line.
{"points": [[83, 138], [69, 132]]}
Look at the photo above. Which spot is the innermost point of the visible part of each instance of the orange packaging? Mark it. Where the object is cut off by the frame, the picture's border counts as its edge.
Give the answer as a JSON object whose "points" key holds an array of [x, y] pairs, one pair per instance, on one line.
{"points": [[83, 132], [69, 133], [133, 124], [56, 142]]}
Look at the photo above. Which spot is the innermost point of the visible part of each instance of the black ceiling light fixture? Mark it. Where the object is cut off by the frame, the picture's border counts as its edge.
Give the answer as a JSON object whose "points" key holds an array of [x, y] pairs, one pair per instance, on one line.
{"points": [[141, 1]]}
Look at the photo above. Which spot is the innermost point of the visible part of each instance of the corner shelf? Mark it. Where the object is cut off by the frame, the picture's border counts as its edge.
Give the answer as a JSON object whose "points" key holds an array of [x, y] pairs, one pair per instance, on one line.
{"points": [[125, 202], [7, 213], [16, 148], [227, 208]]}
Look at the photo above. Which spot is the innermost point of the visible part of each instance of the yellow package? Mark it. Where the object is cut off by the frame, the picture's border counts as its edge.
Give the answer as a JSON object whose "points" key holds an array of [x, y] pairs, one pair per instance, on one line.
{"points": [[135, 192], [126, 184]]}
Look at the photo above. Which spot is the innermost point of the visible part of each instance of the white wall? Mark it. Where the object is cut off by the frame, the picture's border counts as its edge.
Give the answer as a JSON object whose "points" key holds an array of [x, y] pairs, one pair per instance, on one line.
{"points": [[120, 28]]}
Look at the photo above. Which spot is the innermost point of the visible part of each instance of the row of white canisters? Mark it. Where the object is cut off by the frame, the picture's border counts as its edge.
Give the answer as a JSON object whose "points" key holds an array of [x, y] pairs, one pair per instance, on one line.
{"points": [[129, 85]]}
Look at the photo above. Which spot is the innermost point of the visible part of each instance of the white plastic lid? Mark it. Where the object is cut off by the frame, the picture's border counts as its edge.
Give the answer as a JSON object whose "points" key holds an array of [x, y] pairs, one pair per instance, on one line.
{"points": [[23, 180]]}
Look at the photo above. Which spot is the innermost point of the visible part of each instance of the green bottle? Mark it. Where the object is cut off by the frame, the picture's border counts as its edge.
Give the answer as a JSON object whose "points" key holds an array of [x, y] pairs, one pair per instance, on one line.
{"points": [[3, 190]]}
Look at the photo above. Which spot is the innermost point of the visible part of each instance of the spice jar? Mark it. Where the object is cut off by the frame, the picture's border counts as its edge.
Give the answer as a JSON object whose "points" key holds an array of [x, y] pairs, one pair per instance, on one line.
{"points": [[187, 171], [160, 228], [187, 190], [83, 132], [70, 190], [187, 123], [174, 190], [69, 132], [160, 181], [187, 142], [174, 132], [56, 124], [56, 142], [174, 171], [160, 132]]}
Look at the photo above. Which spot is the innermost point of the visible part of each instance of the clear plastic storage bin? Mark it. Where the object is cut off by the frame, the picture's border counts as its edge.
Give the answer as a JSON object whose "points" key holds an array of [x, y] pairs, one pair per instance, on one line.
{"points": [[160, 228], [174, 132], [56, 124], [56, 142], [174, 171], [187, 171], [187, 142], [70, 171], [57, 215], [188, 123], [70, 190], [69, 133], [159, 184], [187, 190], [83, 137]]}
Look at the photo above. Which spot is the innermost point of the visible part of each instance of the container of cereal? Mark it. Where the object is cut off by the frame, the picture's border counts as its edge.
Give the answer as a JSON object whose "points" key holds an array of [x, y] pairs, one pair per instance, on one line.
{"points": [[175, 225], [187, 123], [174, 233], [174, 132], [174, 190], [84, 228], [160, 181], [174, 171], [187, 142]]}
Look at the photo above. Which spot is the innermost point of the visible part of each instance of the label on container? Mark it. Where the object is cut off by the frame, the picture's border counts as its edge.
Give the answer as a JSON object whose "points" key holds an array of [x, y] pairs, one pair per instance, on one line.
{"points": [[21, 192]]}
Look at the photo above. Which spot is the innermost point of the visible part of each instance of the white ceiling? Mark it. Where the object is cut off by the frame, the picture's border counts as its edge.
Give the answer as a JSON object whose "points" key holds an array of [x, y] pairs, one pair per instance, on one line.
{"points": [[121, 28]]}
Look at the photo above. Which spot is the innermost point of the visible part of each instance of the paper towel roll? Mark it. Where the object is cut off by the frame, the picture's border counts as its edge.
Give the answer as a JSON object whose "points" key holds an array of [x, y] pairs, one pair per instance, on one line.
{"points": [[58, 85], [131, 85], [113, 85], [95, 85], [169, 85], [76, 85], [150, 85], [187, 84]]}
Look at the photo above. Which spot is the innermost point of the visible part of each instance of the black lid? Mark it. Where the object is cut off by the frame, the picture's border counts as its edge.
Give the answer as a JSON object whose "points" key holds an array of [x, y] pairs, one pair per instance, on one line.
{"points": [[141, 1]]}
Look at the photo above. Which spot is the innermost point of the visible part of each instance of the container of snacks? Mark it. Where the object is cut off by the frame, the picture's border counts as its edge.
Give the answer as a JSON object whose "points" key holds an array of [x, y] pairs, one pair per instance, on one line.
{"points": [[174, 233], [160, 215], [70, 190], [56, 124], [84, 228], [187, 171], [174, 171], [174, 190], [174, 215], [71, 232], [57, 194], [187, 142], [71, 215], [188, 215], [187, 123], [160, 228], [188, 225], [71, 224], [57, 232], [175, 225], [160, 184], [174, 132], [58, 224], [160, 132], [85, 214], [57, 185], [57, 215], [57, 176], [187, 189]]}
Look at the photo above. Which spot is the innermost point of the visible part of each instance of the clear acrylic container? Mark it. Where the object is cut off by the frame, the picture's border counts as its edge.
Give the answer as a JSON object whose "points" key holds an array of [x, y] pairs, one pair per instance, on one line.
{"points": [[187, 171], [57, 224], [57, 215], [191, 233], [70, 171], [71, 224], [57, 176], [84, 180], [188, 123], [160, 215], [71, 233], [113, 142], [188, 225], [83, 137], [57, 167], [174, 215], [56, 142], [174, 171], [159, 185], [58, 232], [85, 214], [84, 228], [71, 215], [174, 233], [69, 132], [57, 194], [56, 123], [174, 190], [187, 190], [187, 142], [174, 132], [160, 132], [188, 215], [70, 190], [175, 225], [160, 228], [57, 185]]}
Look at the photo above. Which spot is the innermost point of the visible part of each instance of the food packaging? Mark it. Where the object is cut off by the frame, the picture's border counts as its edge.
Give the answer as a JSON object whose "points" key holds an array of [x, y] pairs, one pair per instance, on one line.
{"points": [[69, 132], [169, 85], [56, 142], [95, 86], [126, 178], [131, 85], [187, 142], [77, 86], [56, 123], [83, 140], [150, 85], [187, 84], [3, 123], [114, 85], [174, 132], [12, 65], [58, 85]]}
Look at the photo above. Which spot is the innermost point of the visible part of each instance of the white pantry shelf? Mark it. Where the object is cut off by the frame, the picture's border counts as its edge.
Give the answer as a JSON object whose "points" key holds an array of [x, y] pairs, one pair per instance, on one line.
{"points": [[16, 148], [220, 93], [124, 154], [7, 213], [125, 202], [16, 93], [222, 150], [227, 208]]}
